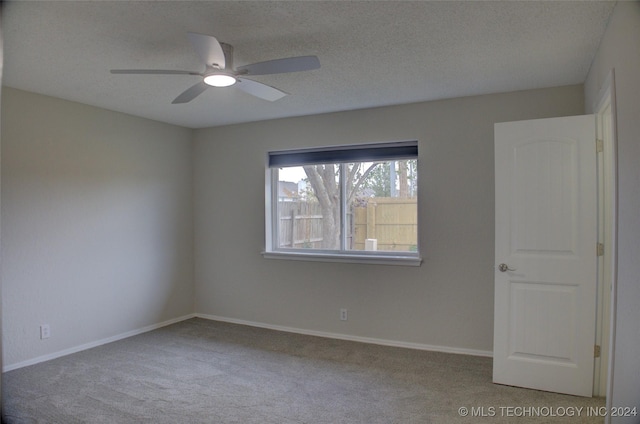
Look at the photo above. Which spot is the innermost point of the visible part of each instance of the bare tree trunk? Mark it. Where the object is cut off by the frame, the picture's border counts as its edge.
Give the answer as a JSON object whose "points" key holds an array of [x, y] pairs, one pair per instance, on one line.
{"points": [[403, 180], [327, 190], [323, 181]]}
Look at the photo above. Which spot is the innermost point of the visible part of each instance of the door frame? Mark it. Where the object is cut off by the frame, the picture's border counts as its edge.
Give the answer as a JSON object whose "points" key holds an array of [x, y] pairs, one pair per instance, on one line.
{"points": [[604, 105]]}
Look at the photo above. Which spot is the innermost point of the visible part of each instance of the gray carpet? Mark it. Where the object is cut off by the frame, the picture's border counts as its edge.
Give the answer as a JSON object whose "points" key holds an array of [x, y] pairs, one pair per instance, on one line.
{"points": [[201, 371]]}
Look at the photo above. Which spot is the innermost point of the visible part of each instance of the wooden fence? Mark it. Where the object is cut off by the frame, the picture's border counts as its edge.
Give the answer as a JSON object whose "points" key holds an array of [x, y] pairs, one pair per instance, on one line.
{"points": [[392, 222], [300, 225]]}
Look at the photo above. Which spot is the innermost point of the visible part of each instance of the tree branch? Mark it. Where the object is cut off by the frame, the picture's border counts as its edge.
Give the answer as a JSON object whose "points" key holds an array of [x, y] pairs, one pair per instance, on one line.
{"points": [[316, 181], [361, 180]]}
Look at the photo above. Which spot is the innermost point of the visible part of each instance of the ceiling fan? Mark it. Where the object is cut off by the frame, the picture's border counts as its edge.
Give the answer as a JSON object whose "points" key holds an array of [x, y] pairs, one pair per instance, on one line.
{"points": [[219, 71]]}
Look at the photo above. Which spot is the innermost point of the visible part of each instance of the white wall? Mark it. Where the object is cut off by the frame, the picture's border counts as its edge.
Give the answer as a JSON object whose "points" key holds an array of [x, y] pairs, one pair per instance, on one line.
{"points": [[620, 49], [97, 224], [447, 302]]}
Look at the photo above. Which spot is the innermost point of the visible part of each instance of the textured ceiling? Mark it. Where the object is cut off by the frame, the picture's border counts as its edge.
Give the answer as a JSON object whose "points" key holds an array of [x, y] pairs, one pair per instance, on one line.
{"points": [[372, 53]]}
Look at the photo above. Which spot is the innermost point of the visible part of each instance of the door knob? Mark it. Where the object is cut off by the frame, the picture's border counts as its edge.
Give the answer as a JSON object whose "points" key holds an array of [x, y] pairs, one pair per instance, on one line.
{"points": [[505, 268]]}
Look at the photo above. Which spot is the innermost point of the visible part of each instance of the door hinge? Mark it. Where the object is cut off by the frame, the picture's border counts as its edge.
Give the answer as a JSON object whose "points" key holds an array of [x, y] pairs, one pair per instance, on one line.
{"points": [[596, 351], [599, 146], [600, 249]]}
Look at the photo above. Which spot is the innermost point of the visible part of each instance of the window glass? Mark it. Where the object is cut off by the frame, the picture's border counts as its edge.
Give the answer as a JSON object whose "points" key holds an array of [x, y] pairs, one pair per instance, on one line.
{"points": [[360, 207], [309, 207], [382, 208]]}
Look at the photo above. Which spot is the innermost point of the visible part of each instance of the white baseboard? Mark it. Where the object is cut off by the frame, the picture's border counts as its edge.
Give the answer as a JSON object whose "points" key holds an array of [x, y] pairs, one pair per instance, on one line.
{"points": [[96, 343], [371, 340]]}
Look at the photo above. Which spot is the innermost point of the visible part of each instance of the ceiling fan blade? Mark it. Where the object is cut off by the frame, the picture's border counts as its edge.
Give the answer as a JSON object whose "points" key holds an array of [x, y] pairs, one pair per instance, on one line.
{"points": [[281, 66], [260, 90], [190, 93], [152, 72], [208, 48]]}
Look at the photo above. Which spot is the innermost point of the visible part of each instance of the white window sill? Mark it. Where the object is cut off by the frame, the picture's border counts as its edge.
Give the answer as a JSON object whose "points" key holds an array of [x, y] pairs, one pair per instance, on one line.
{"points": [[345, 258]]}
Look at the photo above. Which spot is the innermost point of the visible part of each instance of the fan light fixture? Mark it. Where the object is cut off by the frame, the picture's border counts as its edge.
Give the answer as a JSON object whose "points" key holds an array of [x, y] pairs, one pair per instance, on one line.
{"points": [[217, 59], [220, 80]]}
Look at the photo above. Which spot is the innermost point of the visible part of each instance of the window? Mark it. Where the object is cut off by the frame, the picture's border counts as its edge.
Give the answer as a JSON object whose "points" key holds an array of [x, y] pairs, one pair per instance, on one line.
{"points": [[347, 203]]}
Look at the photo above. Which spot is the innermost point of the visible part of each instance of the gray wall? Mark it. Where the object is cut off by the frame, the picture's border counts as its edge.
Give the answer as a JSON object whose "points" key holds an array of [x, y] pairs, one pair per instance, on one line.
{"points": [[1, 71], [447, 302], [620, 49], [96, 220]]}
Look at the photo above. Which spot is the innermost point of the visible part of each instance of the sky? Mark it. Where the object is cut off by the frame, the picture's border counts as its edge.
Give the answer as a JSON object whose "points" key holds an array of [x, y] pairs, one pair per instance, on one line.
{"points": [[293, 174]]}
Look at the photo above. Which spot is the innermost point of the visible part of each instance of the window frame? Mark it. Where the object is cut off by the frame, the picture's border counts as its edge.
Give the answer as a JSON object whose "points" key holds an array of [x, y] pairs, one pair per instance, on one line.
{"points": [[345, 154]]}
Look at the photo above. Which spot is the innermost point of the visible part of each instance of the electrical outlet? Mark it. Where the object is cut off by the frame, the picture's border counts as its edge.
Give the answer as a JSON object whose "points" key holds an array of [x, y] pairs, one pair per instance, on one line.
{"points": [[45, 331], [343, 314]]}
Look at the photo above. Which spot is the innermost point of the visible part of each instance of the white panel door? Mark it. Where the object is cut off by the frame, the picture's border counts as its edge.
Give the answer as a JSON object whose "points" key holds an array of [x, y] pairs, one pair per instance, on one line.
{"points": [[546, 235]]}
